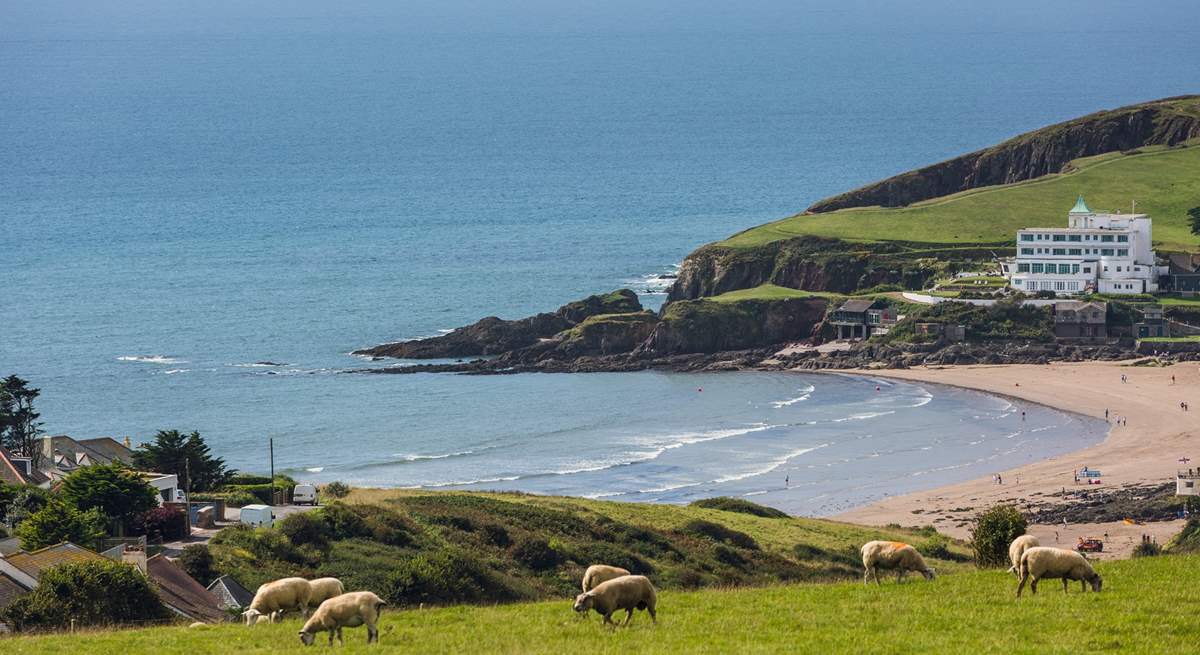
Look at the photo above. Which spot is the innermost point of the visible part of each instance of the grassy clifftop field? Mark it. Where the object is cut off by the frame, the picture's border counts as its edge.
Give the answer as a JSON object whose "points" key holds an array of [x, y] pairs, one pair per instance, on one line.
{"points": [[1147, 606]]}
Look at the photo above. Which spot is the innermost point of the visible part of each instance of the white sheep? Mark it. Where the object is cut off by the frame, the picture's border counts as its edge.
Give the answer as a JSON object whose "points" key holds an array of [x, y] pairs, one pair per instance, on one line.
{"points": [[892, 556], [1045, 562], [624, 593], [323, 589], [598, 573], [345, 611], [274, 598], [1018, 548]]}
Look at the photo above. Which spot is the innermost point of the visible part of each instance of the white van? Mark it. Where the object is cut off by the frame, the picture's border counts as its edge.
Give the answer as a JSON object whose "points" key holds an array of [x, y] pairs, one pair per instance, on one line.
{"points": [[304, 494], [259, 516]]}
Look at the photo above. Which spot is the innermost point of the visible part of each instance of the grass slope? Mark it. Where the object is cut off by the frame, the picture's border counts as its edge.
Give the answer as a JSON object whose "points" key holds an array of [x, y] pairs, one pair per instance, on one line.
{"points": [[1165, 183], [1148, 606]]}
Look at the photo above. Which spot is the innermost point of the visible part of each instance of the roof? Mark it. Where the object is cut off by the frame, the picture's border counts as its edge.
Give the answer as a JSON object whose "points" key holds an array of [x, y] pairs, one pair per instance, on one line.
{"points": [[10, 590], [66, 453], [13, 472], [230, 593], [1076, 305], [108, 448], [180, 591], [32, 564], [1080, 207], [856, 305]]}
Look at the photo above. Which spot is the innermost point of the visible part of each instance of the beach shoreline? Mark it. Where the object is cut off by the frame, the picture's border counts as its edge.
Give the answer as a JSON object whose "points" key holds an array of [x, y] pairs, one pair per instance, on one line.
{"points": [[1144, 451]]}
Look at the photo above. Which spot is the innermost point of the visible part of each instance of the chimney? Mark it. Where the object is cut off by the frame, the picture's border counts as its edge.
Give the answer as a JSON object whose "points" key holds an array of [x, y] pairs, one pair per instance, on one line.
{"points": [[127, 442]]}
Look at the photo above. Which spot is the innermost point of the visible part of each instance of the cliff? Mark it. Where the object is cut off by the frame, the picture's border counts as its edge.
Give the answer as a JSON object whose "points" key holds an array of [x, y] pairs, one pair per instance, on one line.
{"points": [[1161, 122], [699, 326]]}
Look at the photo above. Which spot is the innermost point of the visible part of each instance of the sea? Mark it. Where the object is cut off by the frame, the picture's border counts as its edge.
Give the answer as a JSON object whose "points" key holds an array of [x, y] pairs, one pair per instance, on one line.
{"points": [[205, 207]]}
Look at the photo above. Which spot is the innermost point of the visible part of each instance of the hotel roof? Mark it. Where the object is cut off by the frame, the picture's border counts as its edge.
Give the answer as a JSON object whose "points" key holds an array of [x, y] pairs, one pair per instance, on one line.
{"points": [[1080, 206]]}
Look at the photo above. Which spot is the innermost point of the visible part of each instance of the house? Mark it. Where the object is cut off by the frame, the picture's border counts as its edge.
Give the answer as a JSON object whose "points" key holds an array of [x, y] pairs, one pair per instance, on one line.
{"points": [[19, 470], [1185, 482], [62, 455], [881, 320], [951, 333], [166, 484], [26, 567], [1080, 321], [10, 591], [230, 595], [1096, 252], [1152, 324], [851, 318], [181, 593]]}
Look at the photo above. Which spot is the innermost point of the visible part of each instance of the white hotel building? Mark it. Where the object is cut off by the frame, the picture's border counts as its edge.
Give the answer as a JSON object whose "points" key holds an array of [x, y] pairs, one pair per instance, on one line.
{"points": [[1096, 253]]}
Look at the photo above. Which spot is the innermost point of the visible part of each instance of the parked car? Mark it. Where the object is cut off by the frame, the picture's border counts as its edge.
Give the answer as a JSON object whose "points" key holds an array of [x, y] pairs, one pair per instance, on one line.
{"points": [[304, 494], [259, 516]]}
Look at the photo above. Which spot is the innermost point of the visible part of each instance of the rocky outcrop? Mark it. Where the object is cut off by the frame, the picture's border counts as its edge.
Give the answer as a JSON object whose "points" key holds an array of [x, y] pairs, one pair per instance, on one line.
{"points": [[874, 356], [493, 336], [1162, 122], [607, 334], [705, 326]]}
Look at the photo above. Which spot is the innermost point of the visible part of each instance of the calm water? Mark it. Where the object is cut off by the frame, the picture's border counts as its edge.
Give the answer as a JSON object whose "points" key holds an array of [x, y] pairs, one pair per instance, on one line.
{"points": [[185, 191]]}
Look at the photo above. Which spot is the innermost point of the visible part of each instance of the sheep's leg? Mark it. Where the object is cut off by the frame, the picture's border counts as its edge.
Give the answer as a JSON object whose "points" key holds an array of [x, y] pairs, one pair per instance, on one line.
{"points": [[1083, 586], [1065, 581], [899, 576], [1033, 585], [653, 615], [331, 633], [875, 574], [608, 619], [372, 633], [1021, 586], [866, 577], [628, 616]]}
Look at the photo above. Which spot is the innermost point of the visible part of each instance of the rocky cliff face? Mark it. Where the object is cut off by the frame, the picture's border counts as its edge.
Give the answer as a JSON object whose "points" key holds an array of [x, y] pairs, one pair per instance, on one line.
{"points": [[1048, 150], [709, 327]]}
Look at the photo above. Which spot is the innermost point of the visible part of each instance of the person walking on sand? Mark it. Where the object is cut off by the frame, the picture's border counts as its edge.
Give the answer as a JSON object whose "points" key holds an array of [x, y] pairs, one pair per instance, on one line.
{"points": [[1106, 414]]}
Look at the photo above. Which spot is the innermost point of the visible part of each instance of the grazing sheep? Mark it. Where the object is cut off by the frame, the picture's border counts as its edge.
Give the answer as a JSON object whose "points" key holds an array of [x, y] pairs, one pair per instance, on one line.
{"points": [[1018, 548], [323, 589], [274, 598], [624, 593], [198, 625], [1045, 562], [345, 611], [598, 573], [892, 556]]}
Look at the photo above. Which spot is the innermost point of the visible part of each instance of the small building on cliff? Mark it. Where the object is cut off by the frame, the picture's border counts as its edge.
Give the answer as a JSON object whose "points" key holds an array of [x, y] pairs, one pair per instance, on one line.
{"points": [[1095, 253], [1080, 321], [854, 319]]}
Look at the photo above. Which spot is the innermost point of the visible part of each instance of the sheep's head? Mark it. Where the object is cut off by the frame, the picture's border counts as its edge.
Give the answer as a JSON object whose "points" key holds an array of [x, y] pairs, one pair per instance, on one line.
{"points": [[251, 616], [307, 638], [929, 573], [1095, 582], [583, 602]]}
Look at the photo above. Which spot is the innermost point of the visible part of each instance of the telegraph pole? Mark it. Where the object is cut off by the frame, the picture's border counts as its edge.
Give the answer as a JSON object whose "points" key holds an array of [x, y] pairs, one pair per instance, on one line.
{"points": [[271, 446], [187, 493]]}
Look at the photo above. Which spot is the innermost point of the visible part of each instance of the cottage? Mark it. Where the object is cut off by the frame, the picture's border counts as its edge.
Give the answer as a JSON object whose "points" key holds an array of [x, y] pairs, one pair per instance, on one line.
{"points": [[1080, 321], [1185, 482], [19, 470], [230, 595], [61, 455], [852, 320], [1153, 323], [181, 593]]}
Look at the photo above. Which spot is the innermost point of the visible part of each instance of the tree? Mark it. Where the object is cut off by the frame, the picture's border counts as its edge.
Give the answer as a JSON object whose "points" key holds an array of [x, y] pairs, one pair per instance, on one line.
{"points": [[197, 562], [19, 426], [114, 489], [183, 455], [1194, 219], [58, 522], [101, 592], [993, 531], [25, 502], [8, 493]]}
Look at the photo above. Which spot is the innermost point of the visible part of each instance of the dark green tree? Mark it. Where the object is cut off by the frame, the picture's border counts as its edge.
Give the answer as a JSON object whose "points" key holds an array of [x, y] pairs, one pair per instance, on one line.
{"points": [[19, 426], [993, 531], [197, 561], [25, 502], [183, 455], [58, 522], [1194, 219], [8, 493], [114, 489], [97, 593]]}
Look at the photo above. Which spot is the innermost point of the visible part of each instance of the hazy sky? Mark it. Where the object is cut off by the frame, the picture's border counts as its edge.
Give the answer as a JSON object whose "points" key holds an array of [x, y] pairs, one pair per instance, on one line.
{"points": [[42, 18]]}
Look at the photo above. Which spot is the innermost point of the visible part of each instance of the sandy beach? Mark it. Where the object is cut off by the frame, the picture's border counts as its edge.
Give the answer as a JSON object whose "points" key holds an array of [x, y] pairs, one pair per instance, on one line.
{"points": [[1145, 451]]}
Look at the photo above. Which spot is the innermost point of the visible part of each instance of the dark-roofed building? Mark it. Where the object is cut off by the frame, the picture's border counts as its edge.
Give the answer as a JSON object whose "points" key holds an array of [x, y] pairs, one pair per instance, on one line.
{"points": [[181, 593], [1080, 321], [851, 318], [23, 566], [10, 591], [62, 454], [230, 594], [20, 470]]}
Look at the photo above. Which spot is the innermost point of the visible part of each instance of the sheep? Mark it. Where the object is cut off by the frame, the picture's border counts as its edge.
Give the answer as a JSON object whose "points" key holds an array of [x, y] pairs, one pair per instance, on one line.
{"points": [[1045, 562], [892, 555], [345, 611], [273, 598], [598, 573], [323, 589], [623, 593], [1018, 548], [198, 625]]}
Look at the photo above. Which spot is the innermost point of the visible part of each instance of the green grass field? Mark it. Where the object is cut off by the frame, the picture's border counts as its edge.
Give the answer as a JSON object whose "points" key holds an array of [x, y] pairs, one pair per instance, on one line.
{"points": [[1147, 606], [1165, 183], [770, 292]]}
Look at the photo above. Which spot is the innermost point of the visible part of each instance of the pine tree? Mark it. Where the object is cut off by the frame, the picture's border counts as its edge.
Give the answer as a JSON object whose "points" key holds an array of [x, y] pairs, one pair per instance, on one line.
{"points": [[183, 455]]}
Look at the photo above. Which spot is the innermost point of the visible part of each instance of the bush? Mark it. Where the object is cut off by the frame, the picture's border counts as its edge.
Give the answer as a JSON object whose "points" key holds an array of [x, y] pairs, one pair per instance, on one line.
{"points": [[167, 523], [241, 499], [442, 577], [720, 533], [92, 593], [306, 528], [58, 522], [197, 561], [1147, 549], [536, 554], [727, 504], [993, 531], [336, 489], [495, 535], [938, 546], [1188, 539], [117, 491]]}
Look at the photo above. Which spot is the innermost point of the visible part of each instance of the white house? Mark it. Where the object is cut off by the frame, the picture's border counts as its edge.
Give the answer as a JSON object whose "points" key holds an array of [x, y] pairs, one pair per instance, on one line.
{"points": [[1104, 253], [1185, 482]]}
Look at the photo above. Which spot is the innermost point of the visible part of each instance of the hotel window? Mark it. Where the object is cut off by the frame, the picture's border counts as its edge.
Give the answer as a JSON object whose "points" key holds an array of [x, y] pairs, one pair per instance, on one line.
{"points": [[1060, 286], [1075, 251], [1039, 237], [1087, 269], [1060, 237], [1074, 268], [1027, 237], [1038, 268], [1106, 252], [1032, 285], [1118, 269], [1073, 237], [1026, 251], [1123, 238], [1122, 252], [1022, 268], [1107, 238], [1060, 251]]}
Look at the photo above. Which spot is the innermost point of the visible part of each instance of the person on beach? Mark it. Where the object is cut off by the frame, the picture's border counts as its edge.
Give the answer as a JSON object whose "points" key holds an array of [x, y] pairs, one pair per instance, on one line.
{"points": [[1022, 416], [787, 481], [1105, 413]]}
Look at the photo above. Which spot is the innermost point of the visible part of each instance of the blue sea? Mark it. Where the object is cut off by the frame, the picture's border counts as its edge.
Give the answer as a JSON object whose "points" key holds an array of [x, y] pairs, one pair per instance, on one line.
{"points": [[189, 189]]}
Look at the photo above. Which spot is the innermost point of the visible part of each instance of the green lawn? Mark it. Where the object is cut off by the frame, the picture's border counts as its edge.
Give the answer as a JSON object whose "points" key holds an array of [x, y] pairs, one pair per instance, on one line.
{"points": [[1165, 183], [1147, 606], [770, 292]]}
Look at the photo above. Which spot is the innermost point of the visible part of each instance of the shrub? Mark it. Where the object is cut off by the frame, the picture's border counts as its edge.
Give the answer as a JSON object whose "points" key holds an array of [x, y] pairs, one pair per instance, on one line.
{"points": [[720, 533], [241, 499], [938, 546], [1147, 549], [536, 554], [168, 523], [443, 576], [598, 552], [993, 531], [116, 490], [306, 528], [336, 489], [58, 522], [727, 504], [197, 561], [92, 593], [495, 535], [1188, 539]]}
